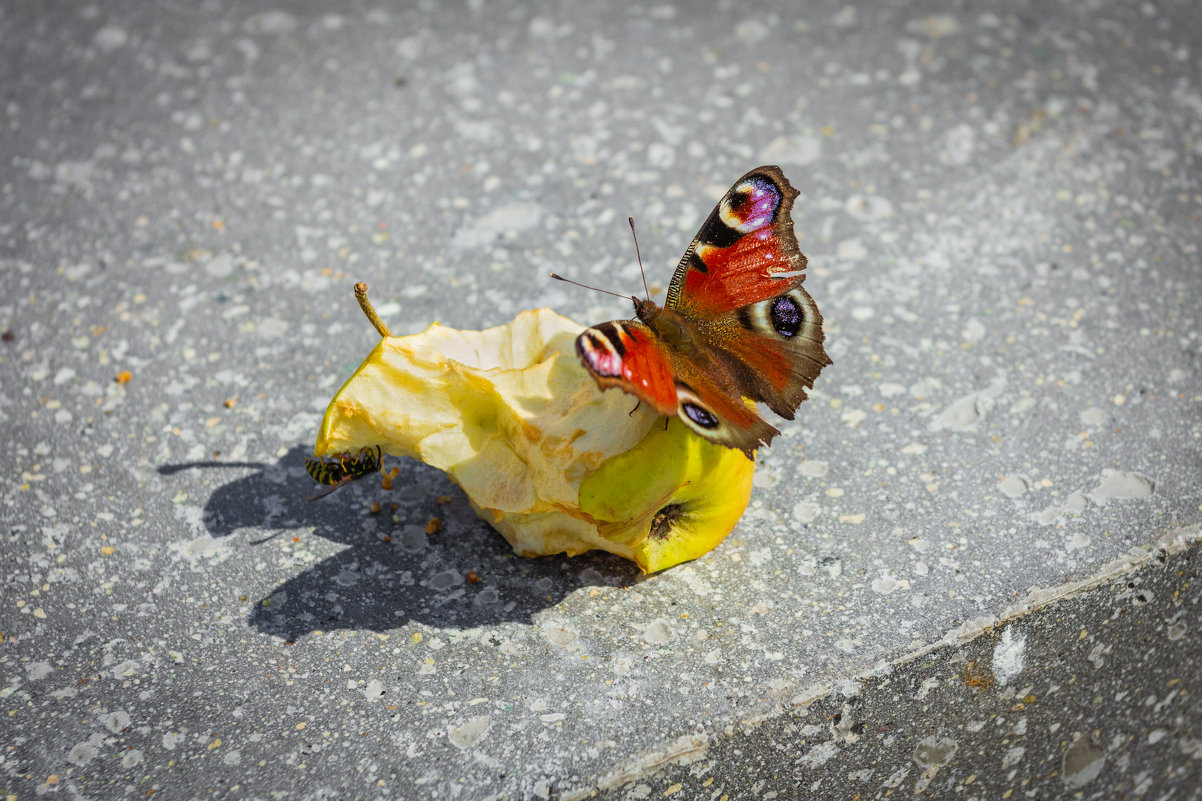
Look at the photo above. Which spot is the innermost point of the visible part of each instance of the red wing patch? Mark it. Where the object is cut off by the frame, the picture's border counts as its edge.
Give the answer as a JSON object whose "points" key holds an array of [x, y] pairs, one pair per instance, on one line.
{"points": [[626, 354]]}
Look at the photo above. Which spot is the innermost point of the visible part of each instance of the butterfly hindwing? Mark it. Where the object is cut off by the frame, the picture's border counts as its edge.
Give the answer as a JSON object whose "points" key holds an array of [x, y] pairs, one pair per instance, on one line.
{"points": [[780, 350], [711, 404]]}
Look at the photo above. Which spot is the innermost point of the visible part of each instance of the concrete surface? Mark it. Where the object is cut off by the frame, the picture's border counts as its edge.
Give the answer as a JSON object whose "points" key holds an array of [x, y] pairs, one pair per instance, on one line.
{"points": [[1000, 208], [1086, 690]]}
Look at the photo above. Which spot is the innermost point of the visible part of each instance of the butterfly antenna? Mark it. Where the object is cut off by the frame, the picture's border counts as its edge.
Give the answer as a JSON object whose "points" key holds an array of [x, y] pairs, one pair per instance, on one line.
{"points": [[639, 256], [586, 286]]}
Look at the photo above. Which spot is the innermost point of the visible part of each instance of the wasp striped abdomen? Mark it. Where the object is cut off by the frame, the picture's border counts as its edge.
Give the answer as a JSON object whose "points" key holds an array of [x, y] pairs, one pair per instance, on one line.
{"points": [[345, 467]]}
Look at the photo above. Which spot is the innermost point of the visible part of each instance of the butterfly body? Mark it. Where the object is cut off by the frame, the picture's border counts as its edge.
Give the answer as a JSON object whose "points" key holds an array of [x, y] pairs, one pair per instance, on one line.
{"points": [[737, 328]]}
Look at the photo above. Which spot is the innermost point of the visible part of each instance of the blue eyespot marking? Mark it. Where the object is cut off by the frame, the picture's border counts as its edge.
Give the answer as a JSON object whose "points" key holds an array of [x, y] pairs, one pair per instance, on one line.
{"points": [[786, 316]]}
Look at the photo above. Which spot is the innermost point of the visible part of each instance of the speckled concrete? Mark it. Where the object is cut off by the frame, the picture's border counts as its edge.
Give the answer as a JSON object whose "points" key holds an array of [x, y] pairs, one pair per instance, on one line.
{"points": [[1001, 211], [1086, 690]]}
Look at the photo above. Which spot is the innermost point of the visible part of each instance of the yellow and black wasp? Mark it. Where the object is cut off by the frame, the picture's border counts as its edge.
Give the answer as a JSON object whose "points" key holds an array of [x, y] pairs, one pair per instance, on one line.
{"points": [[344, 468]]}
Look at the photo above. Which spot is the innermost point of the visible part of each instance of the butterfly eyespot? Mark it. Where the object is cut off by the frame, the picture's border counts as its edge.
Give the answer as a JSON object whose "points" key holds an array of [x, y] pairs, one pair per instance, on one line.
{"points": [[751, 206], [699, 415], [601, 349], [787, 316]]}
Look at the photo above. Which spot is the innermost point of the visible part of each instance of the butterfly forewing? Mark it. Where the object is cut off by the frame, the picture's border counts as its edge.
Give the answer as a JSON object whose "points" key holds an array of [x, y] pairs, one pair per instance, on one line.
{"points": [[626, 354], [745, 251]]}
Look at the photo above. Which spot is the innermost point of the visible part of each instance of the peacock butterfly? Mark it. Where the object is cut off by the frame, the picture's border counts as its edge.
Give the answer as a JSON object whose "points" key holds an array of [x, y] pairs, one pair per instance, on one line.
{"points": [[736, 329]]}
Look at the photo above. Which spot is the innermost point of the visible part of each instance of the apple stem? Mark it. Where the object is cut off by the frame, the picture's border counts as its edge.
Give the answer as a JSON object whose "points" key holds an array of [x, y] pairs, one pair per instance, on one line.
{"points": [[365, 304]]}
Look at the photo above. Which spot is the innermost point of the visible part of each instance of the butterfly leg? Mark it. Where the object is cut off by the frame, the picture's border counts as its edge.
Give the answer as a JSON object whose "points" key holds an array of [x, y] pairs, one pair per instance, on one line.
{"points": [[635, 409]]}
